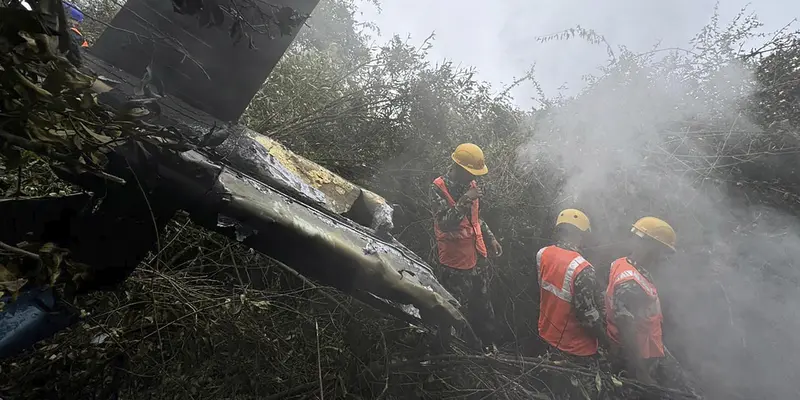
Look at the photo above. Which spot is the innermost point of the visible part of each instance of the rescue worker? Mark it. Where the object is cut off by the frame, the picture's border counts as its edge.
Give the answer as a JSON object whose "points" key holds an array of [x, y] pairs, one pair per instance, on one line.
{"points": [[76, 40], [75, 18], [633, 308], [464, 240], [571, 318]]}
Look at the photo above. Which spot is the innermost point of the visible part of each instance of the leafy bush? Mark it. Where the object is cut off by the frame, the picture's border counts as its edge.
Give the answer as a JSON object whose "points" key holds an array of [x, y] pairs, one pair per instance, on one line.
{"points": [[705, 137]]}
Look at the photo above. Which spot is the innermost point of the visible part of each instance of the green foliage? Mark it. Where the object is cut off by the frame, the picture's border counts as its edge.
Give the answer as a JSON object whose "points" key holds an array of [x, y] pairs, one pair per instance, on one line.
{"points": [[50, 109], [184, 325], [777, 103], [654, 133], [49, 118], [38, 97], [692, 144]]}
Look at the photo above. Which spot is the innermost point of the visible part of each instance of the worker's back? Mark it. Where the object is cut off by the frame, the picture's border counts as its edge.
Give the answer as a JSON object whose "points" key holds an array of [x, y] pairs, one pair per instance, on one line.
{"points": [[557, 322], [77, 41]]}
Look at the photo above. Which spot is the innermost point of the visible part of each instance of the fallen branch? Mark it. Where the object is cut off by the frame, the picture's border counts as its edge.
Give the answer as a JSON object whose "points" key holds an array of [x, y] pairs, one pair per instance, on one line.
{"points": [[306, 387], [18, 251], [447, 360], [311, 284], [45, 151]]}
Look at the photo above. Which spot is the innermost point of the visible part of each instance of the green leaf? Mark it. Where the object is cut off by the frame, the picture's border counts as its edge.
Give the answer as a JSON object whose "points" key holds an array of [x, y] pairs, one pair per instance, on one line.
{"points": [[37, 134], [13, 286], [97, 158], [6, 274], [10, 281], [100, 139], [51, 257], [78, 142]]}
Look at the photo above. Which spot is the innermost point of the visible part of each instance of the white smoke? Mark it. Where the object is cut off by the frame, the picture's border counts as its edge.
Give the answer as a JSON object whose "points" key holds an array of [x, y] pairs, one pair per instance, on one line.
{"points": [[650, 137]]}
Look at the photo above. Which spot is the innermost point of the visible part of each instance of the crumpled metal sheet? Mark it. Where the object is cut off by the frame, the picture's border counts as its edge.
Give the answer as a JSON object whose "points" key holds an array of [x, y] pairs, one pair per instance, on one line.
{"points": [[280, 185], [382, 213], [257, 155], [256, 211], [246, 152], [273, 163]]}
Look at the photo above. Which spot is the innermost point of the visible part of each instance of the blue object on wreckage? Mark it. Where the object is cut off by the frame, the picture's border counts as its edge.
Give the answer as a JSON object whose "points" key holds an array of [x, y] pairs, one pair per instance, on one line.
{"points": [[33, 316]]}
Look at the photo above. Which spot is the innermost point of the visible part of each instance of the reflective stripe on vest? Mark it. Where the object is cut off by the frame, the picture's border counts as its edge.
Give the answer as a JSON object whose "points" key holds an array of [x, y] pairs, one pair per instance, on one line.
{"points": [[459, 249], [565, 292], [648, 329], [558, 326]]}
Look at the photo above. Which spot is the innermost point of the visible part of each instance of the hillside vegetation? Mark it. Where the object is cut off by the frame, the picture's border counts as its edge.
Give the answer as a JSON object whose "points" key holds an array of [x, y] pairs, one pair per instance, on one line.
{"points": [[705, 137]]}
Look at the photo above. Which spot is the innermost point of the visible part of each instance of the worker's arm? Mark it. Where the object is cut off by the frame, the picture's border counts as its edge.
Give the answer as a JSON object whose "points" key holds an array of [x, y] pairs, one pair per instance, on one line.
{"points": [[494, 247], [588, 306], [448, 217], [629, 306], [488, 235]]}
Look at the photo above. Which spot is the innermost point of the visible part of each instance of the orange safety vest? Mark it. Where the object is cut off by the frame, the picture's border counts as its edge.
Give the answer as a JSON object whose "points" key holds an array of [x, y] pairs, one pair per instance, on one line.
{"points": [[85, 43], [648, 329], [458, 249], [557, 323]]}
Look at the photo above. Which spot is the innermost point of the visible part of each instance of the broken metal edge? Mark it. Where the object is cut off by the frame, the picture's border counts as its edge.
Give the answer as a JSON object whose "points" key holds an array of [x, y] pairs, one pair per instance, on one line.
{"points": [[319, 244]]}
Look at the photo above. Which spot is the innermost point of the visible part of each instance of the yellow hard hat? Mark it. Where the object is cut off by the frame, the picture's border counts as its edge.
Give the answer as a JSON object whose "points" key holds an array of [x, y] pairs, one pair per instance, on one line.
{"points": [[656, 229], [470, 157], [575, 218]]}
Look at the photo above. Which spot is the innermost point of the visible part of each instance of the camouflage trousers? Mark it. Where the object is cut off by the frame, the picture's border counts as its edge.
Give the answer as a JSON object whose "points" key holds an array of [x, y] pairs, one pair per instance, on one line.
{"points": [[471, 288], [581, 361]]}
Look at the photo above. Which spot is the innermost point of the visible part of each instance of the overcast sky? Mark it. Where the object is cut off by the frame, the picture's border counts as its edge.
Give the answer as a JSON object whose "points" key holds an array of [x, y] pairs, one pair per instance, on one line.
{"points": [[498, 37]]}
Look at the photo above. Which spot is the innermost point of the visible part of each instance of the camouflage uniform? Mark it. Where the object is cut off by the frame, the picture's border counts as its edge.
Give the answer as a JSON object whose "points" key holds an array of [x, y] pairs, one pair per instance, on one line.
{"points": [[588, 300], [450, 217], [630, 301], [589, 307], [470, 286]]}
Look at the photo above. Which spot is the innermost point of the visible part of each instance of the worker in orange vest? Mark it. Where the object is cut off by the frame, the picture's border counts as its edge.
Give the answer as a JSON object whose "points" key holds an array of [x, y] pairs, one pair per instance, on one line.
{"points": [[79, 37], [75, 17], [463, 239], [633, 308], [570, 314], [77, 43]]}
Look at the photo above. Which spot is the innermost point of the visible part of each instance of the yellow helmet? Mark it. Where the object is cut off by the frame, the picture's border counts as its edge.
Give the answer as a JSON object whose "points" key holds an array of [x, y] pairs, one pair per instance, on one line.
{"points": [[470, 157], [575, 218], [656, 229]]}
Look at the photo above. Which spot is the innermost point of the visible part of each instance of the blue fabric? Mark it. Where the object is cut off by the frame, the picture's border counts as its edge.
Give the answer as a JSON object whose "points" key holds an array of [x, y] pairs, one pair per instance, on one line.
{"points": [[29, 319], [74, 13]]}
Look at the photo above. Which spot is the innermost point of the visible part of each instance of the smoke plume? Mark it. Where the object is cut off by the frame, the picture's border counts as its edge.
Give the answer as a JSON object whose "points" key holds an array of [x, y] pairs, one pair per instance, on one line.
{"points": [[666, 137]]}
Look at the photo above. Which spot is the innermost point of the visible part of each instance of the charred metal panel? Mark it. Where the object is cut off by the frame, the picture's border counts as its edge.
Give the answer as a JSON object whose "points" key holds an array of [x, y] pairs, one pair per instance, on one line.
{"points": [[260, 157], [199, 65], [287, 207], [332, 250]]}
